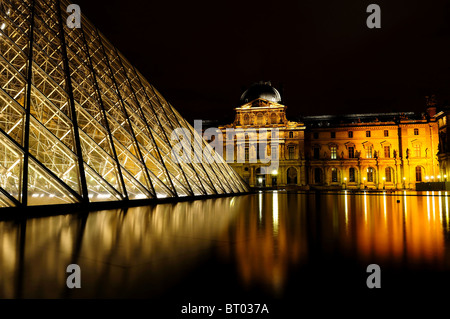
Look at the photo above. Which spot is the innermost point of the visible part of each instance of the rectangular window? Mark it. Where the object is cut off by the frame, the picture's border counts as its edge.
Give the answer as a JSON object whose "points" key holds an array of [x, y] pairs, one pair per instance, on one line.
{"points": [[387, 151], [351, 175], [350, 134], [388, 174], [418, 174], [333, 152], [417, 150], [246, 154], [291, 150], [386, 133], [316, 153], [367, 133], [274, 152], [369, 151], [416, 131], [316, 135], [351, 152], [333, 134]]}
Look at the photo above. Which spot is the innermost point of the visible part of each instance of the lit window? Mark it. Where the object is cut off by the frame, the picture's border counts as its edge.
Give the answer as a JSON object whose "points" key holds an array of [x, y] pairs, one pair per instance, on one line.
{"points": [[417, 150], [369, 151], [333, 152]]}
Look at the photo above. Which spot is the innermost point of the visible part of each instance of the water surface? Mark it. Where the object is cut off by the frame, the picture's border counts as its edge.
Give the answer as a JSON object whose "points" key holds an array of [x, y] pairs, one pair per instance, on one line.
{"points": [[272, 246]]}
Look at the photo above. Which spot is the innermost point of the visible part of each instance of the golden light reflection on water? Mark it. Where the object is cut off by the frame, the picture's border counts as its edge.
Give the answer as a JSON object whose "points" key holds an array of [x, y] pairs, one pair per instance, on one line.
{"points": [[264, 237], [265, 249], [122, 253]]}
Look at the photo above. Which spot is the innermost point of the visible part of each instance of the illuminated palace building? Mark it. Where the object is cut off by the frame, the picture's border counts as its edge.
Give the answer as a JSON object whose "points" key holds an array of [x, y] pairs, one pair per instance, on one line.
{"points": [[358, 151], [79, 124]]}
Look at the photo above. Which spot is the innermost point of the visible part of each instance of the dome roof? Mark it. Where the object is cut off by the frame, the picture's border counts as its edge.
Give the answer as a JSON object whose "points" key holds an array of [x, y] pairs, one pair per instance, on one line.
{"points": [[261, 90]]}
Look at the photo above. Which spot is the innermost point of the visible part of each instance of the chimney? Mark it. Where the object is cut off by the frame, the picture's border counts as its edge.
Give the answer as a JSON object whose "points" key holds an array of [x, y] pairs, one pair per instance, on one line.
{"points": [[431, 105], [431, 110]]}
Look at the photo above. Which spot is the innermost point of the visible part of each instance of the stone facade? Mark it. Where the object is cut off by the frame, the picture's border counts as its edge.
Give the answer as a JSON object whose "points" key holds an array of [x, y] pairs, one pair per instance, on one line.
{"points": [[359, 151]]}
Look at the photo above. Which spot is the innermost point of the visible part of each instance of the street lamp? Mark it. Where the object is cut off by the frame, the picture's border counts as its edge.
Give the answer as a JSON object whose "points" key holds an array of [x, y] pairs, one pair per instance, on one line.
{"points": [[345, 182], [364, 180], [445, 176], [404, 182], [384, 181], [274, 177]]}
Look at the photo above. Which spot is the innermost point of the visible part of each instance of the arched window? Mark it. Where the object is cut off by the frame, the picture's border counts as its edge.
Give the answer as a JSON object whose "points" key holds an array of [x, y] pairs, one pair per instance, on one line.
{"points": [[334, 175], [273, 118], [246, 119], [388, 174], [351, 175], [291, 134], [370, 172], [292, 175], [418, 173]]}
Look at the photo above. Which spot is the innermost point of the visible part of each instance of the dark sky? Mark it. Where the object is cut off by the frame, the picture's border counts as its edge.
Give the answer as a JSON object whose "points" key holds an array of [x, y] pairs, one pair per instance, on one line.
{"points": [[201, 55]]}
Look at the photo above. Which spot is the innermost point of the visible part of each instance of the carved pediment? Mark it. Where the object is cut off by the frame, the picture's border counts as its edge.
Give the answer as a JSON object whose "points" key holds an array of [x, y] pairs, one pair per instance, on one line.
{"points": [[349, 144], [367, 144]]}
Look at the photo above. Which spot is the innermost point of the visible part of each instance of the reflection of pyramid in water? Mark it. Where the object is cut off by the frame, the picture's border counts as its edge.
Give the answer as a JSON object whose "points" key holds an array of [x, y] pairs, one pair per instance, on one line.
{"points": [[81, 124]]}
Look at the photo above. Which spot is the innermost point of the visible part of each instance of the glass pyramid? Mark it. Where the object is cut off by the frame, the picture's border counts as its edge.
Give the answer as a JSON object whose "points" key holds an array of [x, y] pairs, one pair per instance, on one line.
{"points": [[79, 124]]}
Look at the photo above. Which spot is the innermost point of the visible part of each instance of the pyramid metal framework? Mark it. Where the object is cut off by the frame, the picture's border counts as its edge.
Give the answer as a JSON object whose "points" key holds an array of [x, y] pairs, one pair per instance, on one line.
{"points": [[79, 124]]}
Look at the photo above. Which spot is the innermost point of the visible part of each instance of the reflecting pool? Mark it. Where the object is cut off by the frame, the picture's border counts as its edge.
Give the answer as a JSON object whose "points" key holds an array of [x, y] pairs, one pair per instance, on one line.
{"points": [[264, 246]]}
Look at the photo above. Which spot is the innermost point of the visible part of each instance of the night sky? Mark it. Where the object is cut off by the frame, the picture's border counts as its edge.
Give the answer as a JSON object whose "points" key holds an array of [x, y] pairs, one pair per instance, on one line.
{"points": [[201, 55]]}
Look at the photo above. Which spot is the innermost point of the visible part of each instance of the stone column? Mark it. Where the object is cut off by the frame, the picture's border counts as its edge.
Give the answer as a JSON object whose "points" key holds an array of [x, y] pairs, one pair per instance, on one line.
{"points": [[303, 174], [398, 175]]}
